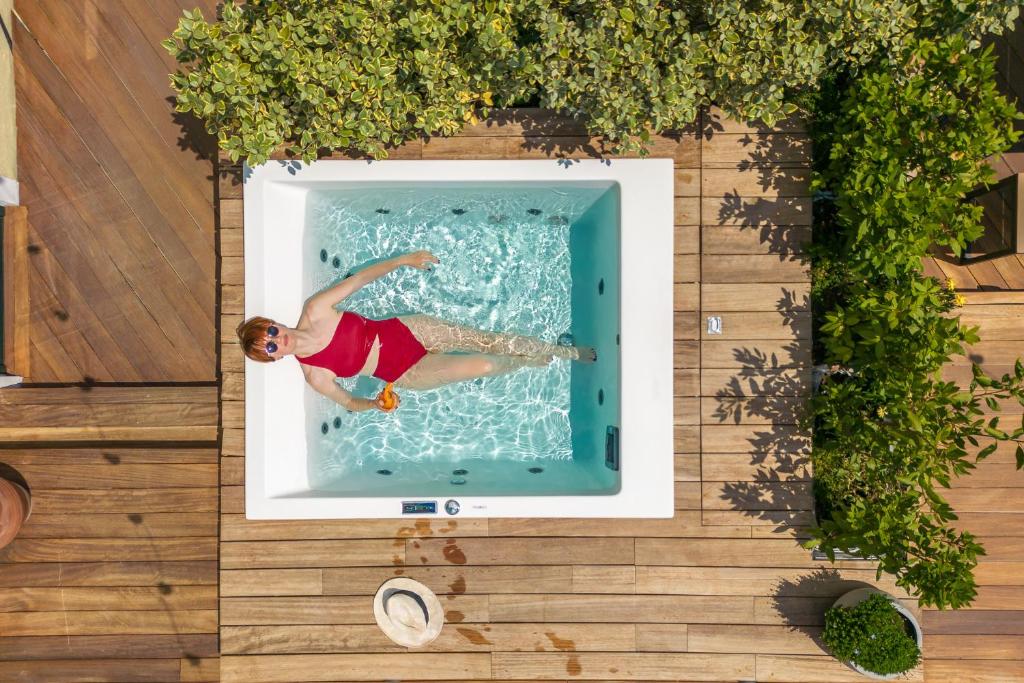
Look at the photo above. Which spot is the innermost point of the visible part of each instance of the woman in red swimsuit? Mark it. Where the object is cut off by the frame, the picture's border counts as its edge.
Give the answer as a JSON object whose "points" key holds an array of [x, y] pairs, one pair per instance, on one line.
{"points": [[412, 351]]}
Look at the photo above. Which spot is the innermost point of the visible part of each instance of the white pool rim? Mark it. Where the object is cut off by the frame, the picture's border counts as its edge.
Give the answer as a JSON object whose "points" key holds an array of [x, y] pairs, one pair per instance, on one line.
{"points": [[276, 481]]}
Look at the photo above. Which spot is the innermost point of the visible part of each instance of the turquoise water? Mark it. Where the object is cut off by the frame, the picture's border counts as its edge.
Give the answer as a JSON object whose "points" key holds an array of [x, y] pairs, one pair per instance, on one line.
{"points": [[529, 259]]}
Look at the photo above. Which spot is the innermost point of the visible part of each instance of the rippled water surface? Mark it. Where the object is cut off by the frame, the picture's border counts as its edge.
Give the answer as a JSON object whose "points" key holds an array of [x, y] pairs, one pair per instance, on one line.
{"points": [[504, 267]]}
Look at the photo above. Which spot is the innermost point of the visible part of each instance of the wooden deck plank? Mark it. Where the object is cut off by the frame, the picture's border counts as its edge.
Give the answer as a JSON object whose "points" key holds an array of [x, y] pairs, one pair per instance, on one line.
{"points": [[181, 548], [108, 647], [105, 150], [755, 211], [318, 553], [234, 527], [973, 670], [621, 666], [355, 667], [17, 307], [127, 501], [110, 622], [821, 668], [756, 297], [519, 551], [135, 525], [142, 670], [86, 599], [472, 580], [108, 574], [462, 637], [622, 608], [333, 609]]}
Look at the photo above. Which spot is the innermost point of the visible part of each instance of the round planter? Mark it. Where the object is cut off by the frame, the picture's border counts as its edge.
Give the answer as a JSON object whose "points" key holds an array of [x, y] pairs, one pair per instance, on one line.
{"points": [[859, 595], [15, 506]]}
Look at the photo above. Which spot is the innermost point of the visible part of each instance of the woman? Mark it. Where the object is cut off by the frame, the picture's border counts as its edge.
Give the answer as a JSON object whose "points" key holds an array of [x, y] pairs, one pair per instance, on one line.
{"points": [[412, 351]]}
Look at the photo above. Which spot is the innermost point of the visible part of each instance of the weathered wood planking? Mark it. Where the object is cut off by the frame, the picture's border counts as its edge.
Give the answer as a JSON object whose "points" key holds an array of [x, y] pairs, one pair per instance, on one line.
{"points": [[17, 323], [122, 262], [90, 413], [525, 596], [987, 502]]}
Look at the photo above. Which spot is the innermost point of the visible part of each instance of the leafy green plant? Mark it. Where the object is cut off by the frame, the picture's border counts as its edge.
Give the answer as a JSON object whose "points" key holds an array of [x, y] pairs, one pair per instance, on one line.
{"points": [[371, 74], [625, 68], [872, 634], [885, 445], [908, 147], [889, 433], [362, 74]]}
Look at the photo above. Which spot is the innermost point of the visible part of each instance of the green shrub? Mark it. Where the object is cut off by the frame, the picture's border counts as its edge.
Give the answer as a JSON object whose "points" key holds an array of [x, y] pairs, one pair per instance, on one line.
{"points": [[623, 67], [871, 634], [888, 432], [908, 148], [370, 74], [364, 74], [884, 446], [893, 326]]}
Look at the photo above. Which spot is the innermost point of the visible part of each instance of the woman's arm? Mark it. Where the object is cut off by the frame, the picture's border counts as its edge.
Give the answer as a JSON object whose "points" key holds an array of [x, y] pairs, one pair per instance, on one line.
{"points": [[332, 296], [323, 382]]}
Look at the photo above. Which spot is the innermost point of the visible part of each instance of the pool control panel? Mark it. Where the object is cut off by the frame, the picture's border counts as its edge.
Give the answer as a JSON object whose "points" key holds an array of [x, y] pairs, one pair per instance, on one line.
{"points": [[419, 507]]}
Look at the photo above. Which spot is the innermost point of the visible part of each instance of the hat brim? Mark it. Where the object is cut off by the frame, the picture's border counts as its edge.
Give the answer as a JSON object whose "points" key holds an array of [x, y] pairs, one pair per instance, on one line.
{"points": [[402, 634]]}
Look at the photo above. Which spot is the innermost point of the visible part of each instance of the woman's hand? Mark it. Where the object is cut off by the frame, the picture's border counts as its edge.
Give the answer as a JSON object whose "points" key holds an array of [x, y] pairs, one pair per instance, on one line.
{"points": [[421, 260]]}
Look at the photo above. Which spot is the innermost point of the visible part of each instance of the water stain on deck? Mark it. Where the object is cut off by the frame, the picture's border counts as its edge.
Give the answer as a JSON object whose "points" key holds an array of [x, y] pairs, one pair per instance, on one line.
{"points": [[458, 585], [573, 666], [422, 528], [455, 616], [453, 553], [474, 636], [562, 644], [452, 526]]}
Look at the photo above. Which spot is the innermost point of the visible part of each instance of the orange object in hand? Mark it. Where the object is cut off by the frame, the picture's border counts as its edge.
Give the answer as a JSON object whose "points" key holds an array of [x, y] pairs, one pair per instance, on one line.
{"points": [[387, 397]]}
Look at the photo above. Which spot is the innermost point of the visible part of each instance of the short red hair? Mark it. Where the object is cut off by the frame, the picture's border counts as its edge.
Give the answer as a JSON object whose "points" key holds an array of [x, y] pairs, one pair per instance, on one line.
{"points": [[252, 335]]}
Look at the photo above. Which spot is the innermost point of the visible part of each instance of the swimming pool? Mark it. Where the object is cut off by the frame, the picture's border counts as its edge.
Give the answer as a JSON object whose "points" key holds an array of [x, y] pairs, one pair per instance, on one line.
{"points": [[578, 250]]}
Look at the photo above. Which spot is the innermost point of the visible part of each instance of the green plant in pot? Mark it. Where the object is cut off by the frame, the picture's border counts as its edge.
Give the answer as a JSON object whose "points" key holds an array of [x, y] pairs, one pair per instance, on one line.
{"points": [[873, 634]]}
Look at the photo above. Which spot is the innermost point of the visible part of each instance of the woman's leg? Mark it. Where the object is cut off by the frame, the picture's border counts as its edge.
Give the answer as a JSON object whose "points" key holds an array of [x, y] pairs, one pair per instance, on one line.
{"points": [[439, 336], [437, 369]]}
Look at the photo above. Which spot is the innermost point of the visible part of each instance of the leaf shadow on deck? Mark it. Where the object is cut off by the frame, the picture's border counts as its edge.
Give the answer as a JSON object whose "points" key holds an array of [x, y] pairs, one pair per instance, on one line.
{"points": [[768, 393], [194, 137], [802, 603], [552, 134], [780, 210]]}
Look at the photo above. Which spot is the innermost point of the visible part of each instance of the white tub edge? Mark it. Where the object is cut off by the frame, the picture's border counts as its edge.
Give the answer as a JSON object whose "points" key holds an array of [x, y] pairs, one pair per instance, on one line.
{"points": [[273, 226]]}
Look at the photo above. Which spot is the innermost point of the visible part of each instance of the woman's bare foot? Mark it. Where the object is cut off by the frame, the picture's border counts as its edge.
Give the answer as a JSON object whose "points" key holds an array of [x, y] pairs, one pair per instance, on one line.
{"points": [[585, 354]]}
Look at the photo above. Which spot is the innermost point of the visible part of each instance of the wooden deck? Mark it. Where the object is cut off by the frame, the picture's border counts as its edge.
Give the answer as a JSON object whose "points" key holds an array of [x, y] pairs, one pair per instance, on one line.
{"points": [[722, 591], [114, 575], [121, 203], [119, 574]]}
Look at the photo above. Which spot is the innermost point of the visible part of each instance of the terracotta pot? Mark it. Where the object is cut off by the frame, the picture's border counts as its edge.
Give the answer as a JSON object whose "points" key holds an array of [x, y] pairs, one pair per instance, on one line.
{"points": [[15, 505]]}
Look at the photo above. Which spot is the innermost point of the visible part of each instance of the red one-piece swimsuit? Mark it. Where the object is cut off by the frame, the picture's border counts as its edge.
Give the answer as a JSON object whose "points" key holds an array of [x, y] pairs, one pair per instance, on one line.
{"points": [[352, 342]]}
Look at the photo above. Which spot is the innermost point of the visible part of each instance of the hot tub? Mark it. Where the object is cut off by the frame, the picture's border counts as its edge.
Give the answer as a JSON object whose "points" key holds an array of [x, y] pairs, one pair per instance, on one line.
{"points": [[578, 251]]}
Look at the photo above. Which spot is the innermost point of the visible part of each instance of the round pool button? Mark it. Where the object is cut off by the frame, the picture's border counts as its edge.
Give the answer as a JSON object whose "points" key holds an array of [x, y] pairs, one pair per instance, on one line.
{"points": [[452, 507]]}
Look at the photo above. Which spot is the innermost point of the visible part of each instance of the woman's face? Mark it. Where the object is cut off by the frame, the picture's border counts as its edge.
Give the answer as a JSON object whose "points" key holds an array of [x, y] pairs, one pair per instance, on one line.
{"points": [[281, 340]]}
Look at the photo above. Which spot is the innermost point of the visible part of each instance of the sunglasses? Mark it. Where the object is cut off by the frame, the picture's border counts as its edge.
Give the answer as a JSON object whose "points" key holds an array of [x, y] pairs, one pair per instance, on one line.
{"points": [[272, 332]]}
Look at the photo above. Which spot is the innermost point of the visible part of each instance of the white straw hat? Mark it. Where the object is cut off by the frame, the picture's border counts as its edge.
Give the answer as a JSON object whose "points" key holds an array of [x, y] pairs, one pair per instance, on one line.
{"points": [[408, 612]]}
